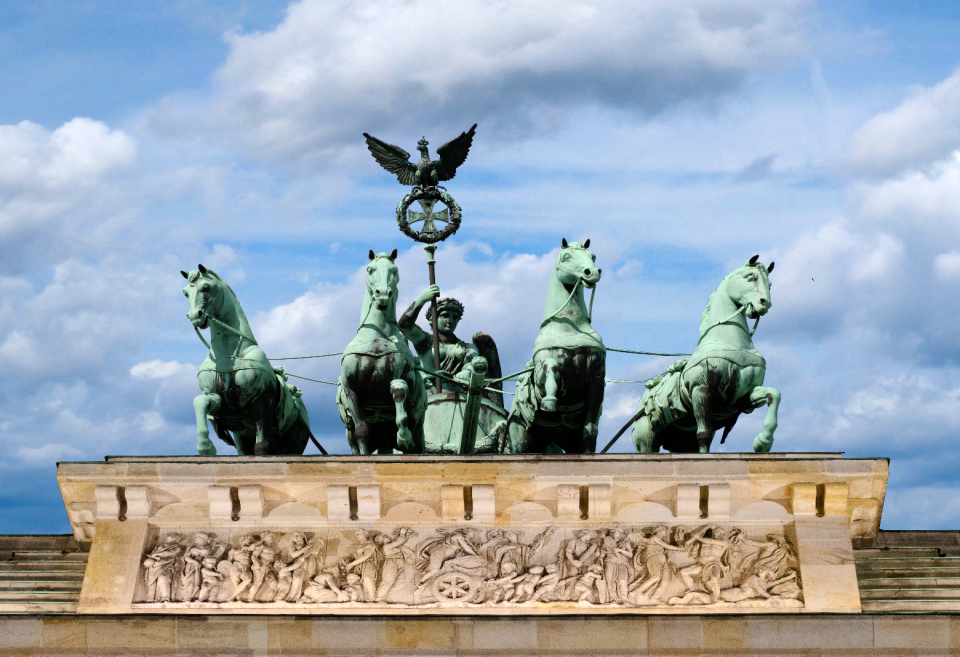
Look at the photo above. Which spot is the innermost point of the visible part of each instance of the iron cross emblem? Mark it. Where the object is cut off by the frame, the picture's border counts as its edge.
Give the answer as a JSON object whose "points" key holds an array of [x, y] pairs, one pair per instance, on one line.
{"points": [[428, 216]]}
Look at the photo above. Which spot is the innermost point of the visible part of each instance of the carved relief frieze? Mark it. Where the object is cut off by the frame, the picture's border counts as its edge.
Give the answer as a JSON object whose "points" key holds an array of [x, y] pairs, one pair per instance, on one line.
{"points": [[645, 567]]}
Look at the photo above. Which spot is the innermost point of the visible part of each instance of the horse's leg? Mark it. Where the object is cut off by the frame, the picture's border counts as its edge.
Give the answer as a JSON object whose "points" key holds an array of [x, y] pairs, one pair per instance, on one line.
{"points": [[245, 439], [549, 366], [702, 398], [771, 397], [265, 422], [359, 435], [593, 404], [399, 390], [204, 405], [643, 436]]}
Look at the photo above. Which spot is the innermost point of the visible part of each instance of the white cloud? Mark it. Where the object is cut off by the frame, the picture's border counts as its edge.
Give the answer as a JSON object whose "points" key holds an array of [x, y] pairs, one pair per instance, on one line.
{"points": [[925, 202], [56, 190], [78, 153], [150, 421], [947, 265], [332, 70], [157, 369], [922, 129], [49, 453]]}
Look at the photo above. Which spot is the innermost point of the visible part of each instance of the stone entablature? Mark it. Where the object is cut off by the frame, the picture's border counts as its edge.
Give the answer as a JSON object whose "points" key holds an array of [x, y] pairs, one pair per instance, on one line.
{"points": [[813, 503]]}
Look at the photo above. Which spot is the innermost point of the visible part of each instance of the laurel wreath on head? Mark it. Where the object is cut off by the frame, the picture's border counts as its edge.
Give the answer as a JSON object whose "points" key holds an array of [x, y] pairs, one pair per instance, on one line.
{"points": [[429, 194]]}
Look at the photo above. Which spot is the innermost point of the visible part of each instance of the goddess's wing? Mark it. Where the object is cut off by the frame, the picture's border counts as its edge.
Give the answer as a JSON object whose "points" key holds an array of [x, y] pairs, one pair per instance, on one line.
{"points": [[488, 349]]}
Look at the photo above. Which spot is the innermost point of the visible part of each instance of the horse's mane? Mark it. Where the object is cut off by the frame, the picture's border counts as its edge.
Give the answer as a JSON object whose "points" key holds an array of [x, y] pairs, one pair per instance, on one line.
{"points": [[704, 321]]}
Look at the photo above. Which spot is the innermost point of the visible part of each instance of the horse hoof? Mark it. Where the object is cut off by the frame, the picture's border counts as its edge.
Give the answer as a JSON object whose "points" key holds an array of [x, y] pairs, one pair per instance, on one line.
{"points": [[262, 449], [762, 443], [206, 450], [405, 439]]}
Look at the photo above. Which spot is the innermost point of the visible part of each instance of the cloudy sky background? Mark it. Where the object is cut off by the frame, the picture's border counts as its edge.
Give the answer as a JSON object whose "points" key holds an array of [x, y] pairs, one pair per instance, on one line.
{"points": [[681, 137]]}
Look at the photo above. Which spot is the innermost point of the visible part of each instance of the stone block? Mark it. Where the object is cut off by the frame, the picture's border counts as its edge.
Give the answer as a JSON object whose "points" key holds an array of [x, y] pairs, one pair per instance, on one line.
{"points": [[131, 635], [113, 566], [221, 502], [339, 636], [835, 497], [766, 635], [804, 499], [589, 635], [108, 502], [830, 589], [290, 635], [451, 503], [724, 634], [67, 635], [718, 502], [688, 501], [138, 502], [667, 635], [484, 504], [338, 502], [368, 502], [599, 501], [251, 503], [20, 633], [505, 635], [568, 502], [427, 635], [912, 633]]}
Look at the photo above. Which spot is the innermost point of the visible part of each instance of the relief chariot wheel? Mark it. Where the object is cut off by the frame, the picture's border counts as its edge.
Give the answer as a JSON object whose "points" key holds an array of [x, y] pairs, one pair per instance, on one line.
{"points": [[455, 587]]}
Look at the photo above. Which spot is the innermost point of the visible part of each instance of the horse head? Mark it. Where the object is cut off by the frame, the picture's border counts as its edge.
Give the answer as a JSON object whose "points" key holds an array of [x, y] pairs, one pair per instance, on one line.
{"points": [[749, 287], [575, 263], [382, 279], [203, 292]]}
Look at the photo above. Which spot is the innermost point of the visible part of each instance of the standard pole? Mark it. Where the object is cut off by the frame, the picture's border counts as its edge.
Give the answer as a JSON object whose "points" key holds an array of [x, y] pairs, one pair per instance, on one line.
{"points": [[431, 249]]}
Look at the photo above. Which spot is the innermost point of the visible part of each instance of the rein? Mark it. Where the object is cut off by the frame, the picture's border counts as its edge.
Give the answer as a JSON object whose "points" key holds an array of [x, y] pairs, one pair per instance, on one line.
{"points": [[579, 282], [741, 309]]}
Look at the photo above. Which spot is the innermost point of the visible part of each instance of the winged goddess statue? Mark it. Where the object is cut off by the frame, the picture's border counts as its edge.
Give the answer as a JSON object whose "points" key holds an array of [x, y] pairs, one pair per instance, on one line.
{"points": [[426, 172]]}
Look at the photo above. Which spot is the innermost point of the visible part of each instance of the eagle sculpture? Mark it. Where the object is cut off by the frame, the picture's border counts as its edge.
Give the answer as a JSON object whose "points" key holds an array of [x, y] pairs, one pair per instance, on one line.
{"points": [[426, 172]]}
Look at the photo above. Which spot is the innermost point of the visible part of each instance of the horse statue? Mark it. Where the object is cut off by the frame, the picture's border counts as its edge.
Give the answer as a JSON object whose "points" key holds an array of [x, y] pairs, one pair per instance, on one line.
{"points": [[722, 379], [558, 404], [381, 396], [240, 391]]}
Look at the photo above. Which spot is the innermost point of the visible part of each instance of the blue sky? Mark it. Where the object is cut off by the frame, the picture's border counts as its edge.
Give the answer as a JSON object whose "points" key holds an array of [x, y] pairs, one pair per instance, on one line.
{"points": [[682, 137]]}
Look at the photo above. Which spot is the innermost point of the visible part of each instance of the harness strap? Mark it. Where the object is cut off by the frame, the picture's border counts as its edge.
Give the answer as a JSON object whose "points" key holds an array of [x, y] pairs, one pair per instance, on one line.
{"points": [[741, 309], [560, 309], [205, 343], [231, 329]]}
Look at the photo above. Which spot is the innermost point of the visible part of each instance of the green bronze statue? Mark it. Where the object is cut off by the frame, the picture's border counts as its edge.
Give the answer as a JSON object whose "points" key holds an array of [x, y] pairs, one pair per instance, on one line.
{"points": [[240, 391], [558, 404], [455, 354], [682, 408], [425, 173], [380, 394]]}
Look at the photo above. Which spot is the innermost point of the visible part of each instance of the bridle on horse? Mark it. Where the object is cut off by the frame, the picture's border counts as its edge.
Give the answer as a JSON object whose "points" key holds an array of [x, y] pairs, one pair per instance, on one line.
{"points": [[579, 282], [211, 318]]}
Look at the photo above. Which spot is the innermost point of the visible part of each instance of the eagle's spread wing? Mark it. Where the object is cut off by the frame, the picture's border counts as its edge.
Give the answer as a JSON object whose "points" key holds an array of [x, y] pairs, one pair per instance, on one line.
{"points": [[453, 153], [488, 349], [394, 159]]}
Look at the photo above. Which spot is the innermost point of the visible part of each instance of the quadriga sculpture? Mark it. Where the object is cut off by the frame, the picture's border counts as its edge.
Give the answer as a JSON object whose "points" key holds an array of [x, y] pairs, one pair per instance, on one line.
{"points": [[240, 391], [682, 408], [558, 405], [381, 396]]}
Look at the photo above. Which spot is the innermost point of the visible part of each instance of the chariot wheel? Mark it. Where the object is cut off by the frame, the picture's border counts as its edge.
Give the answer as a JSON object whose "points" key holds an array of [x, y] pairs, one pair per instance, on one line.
{"points": [[454, 587]]}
